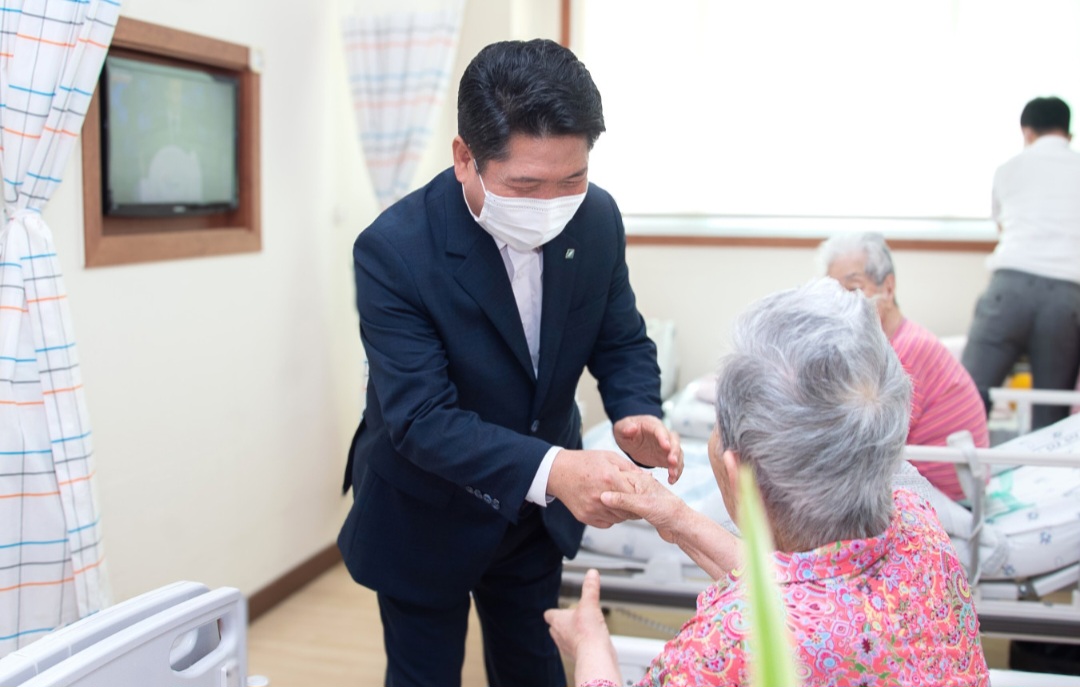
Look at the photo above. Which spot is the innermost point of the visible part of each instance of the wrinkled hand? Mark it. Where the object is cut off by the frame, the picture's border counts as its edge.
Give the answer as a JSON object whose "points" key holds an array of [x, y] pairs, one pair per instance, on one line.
{"points": [[650, 500], [645, 439], [581, 630], [578, 478]]}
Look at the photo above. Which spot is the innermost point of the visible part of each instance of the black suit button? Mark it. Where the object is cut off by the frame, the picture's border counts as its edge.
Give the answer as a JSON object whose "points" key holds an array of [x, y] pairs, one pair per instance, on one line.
{"points": [[535, 426]]}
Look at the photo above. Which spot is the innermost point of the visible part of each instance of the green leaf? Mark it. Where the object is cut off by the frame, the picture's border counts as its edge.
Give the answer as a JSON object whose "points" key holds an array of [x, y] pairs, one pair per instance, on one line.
{"points": [[771, 656]]}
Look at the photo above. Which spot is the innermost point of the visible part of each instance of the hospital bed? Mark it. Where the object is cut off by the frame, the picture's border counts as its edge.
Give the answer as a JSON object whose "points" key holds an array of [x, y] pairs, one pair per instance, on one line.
{"points": [[182, 635], [1020, 542]]}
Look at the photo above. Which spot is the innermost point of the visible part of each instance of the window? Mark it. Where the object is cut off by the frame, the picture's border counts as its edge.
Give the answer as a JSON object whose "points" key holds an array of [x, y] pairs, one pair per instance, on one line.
{"points": [[786, 117]]}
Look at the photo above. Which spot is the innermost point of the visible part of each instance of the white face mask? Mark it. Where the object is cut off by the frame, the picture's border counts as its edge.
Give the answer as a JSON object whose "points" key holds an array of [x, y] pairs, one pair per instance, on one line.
{"points": [[526, 223]]}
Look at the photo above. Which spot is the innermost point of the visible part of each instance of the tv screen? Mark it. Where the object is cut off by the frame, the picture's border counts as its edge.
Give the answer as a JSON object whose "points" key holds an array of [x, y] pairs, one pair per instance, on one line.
{"points": [[169, 139]]}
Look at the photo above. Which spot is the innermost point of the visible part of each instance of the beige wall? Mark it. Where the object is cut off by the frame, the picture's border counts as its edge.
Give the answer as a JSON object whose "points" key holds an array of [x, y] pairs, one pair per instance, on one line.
{"points": [[224, 391], [703, 289]]}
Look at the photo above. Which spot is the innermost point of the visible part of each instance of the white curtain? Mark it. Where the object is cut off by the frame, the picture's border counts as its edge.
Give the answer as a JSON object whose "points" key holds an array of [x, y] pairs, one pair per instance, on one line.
{"points": [[51, 557], [399, 57]]}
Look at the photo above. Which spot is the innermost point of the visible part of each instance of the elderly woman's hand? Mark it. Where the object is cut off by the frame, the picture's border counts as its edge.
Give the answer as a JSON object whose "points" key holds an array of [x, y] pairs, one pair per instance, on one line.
{"points": [[645, 439], [649, 500], [582, 635]]}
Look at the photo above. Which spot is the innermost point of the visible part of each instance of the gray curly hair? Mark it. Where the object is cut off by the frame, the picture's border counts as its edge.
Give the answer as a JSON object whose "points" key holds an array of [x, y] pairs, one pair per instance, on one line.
{"points": [[815, 401]]}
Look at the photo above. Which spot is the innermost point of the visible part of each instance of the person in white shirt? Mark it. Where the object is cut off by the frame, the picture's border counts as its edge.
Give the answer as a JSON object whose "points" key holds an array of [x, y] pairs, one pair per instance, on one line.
{"points": [[1032, 305]]}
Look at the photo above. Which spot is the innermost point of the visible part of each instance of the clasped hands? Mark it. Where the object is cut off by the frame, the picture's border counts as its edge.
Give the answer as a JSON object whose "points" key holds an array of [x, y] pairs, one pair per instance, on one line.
{"points": [[602, 488]]}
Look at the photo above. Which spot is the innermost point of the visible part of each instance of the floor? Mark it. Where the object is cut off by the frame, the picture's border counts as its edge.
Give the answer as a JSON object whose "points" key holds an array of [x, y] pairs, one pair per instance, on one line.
{"points": [[329, 634]]}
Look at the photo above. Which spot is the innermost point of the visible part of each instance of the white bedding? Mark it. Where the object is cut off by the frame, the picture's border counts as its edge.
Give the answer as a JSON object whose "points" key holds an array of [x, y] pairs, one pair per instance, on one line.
{"points": [[1037, 509], [688, 414]]}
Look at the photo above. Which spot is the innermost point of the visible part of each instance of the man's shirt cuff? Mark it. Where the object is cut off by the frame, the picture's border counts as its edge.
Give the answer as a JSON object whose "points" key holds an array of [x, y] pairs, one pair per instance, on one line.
{"points": [[538, 491]]}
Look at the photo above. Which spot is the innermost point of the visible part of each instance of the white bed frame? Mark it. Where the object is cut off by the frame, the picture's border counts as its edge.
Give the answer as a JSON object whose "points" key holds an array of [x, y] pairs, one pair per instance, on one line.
{"points": [[1006, 609], [182, 635]]}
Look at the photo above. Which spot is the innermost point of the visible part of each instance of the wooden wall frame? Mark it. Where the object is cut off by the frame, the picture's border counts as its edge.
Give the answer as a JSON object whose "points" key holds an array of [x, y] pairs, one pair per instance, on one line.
{"points": [[765, 241], [123, 240]]}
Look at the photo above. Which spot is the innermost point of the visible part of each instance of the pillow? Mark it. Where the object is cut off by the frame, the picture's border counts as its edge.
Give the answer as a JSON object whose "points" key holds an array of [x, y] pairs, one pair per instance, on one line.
{"points": [[690, 416]]}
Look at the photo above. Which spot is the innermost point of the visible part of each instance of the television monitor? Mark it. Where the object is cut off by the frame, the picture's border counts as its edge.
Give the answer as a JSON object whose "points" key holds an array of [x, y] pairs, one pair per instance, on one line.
{"points": [[169, 139]]}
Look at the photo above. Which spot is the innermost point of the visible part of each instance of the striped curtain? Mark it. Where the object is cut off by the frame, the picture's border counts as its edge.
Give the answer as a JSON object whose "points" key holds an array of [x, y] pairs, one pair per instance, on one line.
{"points": [[399, 57], [51, 558]]}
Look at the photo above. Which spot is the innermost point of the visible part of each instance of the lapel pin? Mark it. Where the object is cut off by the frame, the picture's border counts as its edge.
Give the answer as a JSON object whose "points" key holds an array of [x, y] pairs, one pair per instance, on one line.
{"points": [[569, 253]]}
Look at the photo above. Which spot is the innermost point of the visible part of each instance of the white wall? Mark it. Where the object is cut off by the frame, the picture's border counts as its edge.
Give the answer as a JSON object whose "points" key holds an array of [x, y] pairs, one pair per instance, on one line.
{"points": [[703, 289]]}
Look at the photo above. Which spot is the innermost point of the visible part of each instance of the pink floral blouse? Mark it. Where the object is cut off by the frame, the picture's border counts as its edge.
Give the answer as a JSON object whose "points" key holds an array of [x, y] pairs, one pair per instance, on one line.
{"points": [[892, 610]]}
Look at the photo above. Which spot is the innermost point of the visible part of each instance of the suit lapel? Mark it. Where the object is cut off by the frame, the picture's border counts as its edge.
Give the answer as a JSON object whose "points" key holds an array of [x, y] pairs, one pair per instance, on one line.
{"points": [[560, 273], [482, 274]]}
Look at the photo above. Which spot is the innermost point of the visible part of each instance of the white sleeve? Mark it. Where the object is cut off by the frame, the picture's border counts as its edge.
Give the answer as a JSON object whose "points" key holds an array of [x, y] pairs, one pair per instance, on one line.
{"points": [[538, 490]]}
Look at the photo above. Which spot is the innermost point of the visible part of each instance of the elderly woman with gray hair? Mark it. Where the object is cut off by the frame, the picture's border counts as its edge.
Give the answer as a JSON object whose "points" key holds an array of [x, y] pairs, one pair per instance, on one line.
{"points": [[945, 399], [816, 403]]}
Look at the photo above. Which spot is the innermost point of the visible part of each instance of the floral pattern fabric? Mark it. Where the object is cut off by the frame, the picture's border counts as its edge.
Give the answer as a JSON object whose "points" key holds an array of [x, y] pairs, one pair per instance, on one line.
{"points": [[894, 609]]}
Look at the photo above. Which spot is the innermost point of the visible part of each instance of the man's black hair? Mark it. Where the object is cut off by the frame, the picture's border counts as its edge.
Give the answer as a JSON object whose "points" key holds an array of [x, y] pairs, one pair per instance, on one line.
{"points": [[537, 88], [1046, 115]]}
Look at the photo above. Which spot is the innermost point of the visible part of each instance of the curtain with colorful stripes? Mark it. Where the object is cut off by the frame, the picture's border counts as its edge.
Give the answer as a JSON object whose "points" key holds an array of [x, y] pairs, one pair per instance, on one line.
{"points": [[399, 55], [51, 557]]}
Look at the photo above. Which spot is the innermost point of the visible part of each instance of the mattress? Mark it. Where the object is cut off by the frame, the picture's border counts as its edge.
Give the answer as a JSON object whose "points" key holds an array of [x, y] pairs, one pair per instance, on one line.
{"points": [[1036, 510]]}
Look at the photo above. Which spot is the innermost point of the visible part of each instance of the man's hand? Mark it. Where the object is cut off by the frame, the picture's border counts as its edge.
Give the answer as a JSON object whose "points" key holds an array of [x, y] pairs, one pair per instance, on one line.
{"points": [[645, 439], [650, 500], [578, 478]]}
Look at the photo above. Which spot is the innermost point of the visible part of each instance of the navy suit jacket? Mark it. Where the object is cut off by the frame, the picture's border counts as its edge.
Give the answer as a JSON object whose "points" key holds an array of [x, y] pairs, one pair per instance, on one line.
{"points": [[456, 422]]}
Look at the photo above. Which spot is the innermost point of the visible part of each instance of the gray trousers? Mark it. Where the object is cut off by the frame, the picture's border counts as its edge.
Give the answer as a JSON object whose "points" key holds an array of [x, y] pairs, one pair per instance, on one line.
{"points": [[1019, 314]]}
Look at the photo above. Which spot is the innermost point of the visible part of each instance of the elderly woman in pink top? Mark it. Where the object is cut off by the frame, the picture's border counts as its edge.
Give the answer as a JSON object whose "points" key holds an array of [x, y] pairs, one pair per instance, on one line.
{"points": [[945, 398], [816, 403]]}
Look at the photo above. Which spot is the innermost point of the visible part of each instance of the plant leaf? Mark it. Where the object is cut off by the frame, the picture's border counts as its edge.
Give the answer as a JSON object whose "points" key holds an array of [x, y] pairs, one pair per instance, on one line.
{"points": [[771, 655]]}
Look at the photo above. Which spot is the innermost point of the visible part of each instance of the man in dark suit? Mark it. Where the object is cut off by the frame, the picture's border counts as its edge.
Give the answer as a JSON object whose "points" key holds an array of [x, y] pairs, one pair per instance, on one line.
{"points": [[482, 297]]}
